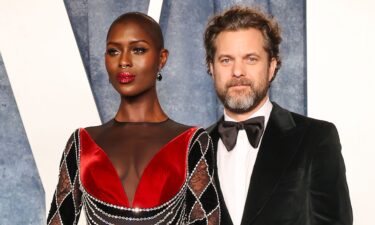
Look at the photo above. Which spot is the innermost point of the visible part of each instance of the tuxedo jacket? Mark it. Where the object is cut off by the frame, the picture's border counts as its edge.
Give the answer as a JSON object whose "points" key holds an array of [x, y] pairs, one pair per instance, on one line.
{"points": [[298, 177]]}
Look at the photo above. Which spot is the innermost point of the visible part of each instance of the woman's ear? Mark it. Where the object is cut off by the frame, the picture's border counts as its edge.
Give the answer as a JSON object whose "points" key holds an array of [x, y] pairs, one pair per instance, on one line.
{"points": [[163, 57]]}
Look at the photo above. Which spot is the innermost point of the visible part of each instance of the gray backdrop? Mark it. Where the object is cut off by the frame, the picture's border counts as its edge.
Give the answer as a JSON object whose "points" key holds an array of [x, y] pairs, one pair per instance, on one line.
{"points": [[21, 190], [186, 91]]}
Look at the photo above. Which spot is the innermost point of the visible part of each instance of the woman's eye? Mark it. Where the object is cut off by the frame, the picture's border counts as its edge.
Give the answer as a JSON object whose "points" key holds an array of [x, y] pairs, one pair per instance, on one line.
{"points": [[139, 50], [112, 52]]}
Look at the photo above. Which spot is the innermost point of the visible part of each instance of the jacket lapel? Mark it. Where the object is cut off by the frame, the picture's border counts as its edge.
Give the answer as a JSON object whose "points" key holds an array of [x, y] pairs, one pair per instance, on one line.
{"points": [[278, 146]]}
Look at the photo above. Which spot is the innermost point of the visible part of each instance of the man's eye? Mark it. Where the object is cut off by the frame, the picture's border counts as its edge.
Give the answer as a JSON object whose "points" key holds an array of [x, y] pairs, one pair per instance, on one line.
{"points": [[112, 52], [139, 51], [225, 60], [252, 60]]}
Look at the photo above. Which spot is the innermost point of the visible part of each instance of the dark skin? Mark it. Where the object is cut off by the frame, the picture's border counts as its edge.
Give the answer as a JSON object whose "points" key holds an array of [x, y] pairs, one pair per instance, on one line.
{"points": [[130, 45], [133, 48]]}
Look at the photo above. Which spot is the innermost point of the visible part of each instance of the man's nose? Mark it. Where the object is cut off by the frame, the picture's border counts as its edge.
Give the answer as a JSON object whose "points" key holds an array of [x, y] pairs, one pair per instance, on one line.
{"points": [[238, 69]]}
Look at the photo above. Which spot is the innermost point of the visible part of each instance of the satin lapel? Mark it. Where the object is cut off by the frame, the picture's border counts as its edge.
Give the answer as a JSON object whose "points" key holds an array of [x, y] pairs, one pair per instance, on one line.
{"points": [[279, 144], [213, 132]]}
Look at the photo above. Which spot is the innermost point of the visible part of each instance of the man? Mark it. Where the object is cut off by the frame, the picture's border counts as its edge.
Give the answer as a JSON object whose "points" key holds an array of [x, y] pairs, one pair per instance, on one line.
{"points": [[273, 166]]}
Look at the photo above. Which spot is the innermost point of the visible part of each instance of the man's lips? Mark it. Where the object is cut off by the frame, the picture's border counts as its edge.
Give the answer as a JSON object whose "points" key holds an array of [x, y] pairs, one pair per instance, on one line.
{"points": [[239, 86], [125, 77]]}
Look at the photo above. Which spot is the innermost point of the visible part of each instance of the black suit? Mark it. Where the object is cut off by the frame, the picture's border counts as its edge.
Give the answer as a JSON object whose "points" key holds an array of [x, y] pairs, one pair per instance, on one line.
{"points": [[298, 177]]}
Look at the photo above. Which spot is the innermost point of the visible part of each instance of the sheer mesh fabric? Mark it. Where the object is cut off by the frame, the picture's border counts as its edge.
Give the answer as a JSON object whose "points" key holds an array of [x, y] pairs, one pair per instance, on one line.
{"points": [[66, 203], [131, 145], [196, 203], [203, 204]]}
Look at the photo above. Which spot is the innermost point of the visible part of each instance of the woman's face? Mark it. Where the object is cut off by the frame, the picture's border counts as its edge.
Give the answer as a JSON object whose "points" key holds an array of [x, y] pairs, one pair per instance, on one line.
{"points": [[132, 59]]}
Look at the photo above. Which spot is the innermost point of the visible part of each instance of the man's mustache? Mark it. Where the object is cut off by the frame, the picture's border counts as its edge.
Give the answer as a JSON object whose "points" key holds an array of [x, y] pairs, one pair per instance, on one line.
{"points": [[239, 82]]}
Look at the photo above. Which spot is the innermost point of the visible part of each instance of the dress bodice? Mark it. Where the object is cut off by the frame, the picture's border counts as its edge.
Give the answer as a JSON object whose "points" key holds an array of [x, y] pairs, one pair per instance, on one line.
{"points": [[176, 186], [162, 178]]}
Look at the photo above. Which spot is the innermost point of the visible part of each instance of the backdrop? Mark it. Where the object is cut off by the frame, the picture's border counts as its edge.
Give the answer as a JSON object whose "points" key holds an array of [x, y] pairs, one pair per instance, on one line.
{"points": [[53, 80], [186, 90]]}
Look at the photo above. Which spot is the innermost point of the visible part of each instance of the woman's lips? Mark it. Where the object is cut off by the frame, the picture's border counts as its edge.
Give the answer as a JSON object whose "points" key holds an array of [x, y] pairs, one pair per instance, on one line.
{"points": [[125, 77]]}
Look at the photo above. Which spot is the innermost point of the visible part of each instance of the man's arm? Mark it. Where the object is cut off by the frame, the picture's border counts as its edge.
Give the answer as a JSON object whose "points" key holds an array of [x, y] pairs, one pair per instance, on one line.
{"points": [[330, 202]]}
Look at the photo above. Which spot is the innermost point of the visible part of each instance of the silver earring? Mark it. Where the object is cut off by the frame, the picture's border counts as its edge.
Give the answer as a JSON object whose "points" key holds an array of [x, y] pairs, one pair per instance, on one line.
{"points": [[159, 77]]}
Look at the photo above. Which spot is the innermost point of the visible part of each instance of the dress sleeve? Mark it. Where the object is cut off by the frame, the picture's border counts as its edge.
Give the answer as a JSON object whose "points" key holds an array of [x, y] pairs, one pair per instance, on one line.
{"points": [[66, 204], [329, 193], [202, 202]]}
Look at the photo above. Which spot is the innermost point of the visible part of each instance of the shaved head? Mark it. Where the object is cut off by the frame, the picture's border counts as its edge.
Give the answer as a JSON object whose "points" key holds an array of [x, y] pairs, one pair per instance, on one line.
{"points": [[150, 26]]}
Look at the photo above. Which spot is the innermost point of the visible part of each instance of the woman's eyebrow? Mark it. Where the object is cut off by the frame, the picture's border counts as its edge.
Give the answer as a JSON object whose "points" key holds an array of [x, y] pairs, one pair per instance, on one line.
{"points": [[131, 42]]}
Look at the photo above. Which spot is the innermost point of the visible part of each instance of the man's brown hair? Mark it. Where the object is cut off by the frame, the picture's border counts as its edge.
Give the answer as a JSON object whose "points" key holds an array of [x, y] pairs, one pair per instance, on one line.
{"points": [[241, 17]]}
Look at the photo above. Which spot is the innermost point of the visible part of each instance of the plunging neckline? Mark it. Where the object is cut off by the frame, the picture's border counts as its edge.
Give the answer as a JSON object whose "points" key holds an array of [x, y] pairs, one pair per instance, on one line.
{"points": [[145, 171]]}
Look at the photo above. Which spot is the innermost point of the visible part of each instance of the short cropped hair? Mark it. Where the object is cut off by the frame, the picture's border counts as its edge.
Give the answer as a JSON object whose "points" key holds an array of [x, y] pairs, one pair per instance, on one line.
{"points": [[148, 23], [241, 17]]}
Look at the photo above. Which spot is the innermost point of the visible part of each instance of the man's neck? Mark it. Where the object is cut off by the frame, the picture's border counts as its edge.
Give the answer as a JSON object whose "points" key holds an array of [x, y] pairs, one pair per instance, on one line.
{"points": [[246, 115]]}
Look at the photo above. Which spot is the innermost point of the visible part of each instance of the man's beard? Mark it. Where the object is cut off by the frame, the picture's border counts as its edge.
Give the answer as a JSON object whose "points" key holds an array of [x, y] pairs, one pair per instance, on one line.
{"points": [[244, 100]]}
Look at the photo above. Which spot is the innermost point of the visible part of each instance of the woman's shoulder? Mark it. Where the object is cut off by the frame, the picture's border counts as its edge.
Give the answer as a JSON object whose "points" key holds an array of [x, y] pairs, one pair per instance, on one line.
{"points": [[198, 134], [178, 126], [94, 131], [199, 131]]}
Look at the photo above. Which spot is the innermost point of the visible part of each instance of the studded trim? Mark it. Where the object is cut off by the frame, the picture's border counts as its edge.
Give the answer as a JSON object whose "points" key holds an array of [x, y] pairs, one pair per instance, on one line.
{"points": [[196, 202]]}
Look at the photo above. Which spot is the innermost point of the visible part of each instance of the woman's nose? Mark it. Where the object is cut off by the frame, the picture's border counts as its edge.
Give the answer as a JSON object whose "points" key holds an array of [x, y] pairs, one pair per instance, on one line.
{"points": [[125, 61]]}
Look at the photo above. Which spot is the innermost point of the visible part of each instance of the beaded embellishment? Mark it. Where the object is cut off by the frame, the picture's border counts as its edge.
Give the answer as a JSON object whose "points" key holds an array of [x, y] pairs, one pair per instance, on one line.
{"points": [[196, 202]]}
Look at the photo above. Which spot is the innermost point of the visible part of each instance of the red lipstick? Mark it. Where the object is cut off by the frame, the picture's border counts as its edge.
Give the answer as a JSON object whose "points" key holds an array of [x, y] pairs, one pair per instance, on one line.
{"points": [[125, 77]]}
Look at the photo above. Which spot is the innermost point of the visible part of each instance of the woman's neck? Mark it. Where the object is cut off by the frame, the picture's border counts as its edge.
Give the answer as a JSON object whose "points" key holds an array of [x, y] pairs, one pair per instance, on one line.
{"points": [[142, 108]]}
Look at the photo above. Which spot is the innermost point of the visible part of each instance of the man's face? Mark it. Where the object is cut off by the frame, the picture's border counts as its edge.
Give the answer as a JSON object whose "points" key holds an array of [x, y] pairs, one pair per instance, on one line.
{"points": [[241, 69]]}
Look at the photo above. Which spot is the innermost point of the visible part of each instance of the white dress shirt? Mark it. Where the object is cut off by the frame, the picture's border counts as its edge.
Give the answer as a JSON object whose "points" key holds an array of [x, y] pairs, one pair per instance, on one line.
{"points": [[235, 167]]}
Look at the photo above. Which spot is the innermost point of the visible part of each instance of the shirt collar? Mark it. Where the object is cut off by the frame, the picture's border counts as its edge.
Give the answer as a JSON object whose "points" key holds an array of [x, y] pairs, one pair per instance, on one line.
{"points": [[265, 111]]}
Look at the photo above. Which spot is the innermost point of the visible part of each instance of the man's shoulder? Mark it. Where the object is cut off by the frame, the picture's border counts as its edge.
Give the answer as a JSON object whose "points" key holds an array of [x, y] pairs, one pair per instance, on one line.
{"points": [[313, 129], [302, 120]]}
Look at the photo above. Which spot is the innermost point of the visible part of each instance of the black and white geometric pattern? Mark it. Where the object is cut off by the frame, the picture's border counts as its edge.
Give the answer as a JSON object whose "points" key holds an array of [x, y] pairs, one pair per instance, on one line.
{"points": [[66, 204], [195, 203]]}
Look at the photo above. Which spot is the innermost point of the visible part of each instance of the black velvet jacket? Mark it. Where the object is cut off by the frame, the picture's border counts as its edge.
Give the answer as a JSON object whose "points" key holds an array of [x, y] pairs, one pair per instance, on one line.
{"points": [[298, 177]]}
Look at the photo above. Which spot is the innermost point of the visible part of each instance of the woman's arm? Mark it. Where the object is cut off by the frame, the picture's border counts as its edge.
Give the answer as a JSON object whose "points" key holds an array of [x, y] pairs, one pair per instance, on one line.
{"points": [[202, 198], [66, 204]]}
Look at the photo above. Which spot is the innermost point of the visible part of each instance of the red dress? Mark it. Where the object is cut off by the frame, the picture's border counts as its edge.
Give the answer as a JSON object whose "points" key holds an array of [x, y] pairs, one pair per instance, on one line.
{"points": [[176, 186]]}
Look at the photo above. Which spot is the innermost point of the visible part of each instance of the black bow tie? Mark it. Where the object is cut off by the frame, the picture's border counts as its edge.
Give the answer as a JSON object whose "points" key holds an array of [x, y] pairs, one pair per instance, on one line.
{"points": [[228, 131]]}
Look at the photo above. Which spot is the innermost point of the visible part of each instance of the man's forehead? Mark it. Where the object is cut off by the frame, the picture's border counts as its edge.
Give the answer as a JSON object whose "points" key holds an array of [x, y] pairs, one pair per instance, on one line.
{"points": [[239, 38], [241, 33]]}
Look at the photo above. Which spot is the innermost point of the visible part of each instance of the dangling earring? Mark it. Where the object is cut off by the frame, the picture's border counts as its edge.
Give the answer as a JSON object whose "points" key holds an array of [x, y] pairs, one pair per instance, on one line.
{"points": [[159, 77]]}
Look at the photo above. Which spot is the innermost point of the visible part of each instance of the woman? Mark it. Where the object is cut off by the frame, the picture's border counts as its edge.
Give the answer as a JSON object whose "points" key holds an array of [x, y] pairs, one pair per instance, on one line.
{"points": [[140, 167]]}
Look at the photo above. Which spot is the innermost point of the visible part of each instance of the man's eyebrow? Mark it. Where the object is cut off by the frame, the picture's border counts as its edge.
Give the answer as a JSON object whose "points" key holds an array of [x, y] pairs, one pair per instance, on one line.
{"points": [[252, 54], [225, 55]]}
